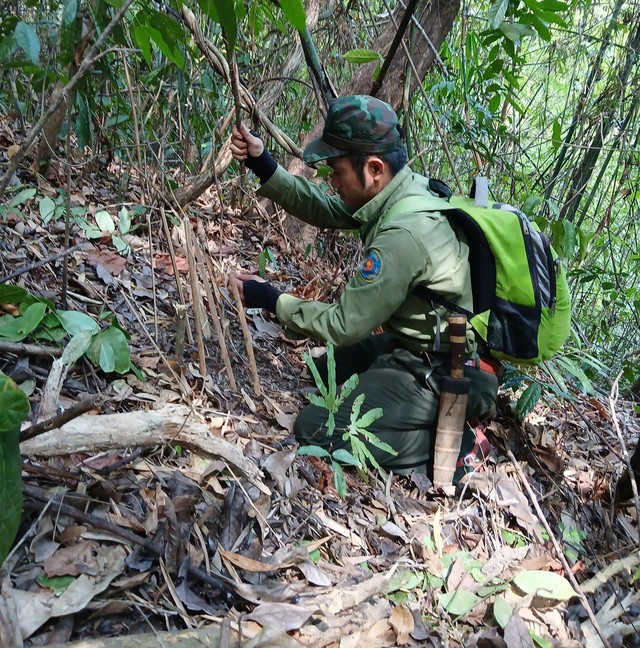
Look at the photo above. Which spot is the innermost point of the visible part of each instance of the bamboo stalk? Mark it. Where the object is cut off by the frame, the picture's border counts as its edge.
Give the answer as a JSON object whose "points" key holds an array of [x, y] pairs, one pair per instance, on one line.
{"points": [[208, 281], [247, 336], [195, 294]]}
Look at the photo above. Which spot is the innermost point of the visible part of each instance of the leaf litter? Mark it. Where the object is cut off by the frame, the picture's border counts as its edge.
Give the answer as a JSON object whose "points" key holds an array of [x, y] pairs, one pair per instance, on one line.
{"points": [[176, 540]]}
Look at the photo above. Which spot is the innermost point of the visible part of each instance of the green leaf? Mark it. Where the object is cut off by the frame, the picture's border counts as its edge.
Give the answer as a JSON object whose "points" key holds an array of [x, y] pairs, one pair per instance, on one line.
{"points": [[515, 31], [47, 209], [378, 443], [497, 12], [540, 641], [545, 584], [339, 480], [83, 123], [56, 583], [361, 56], [528, 399], [502, 611], [104, 221], [109, 350], [348, 386], [142, 40], [10, 294], [120, 244], [370, 417], [574, 370], [313, 451], [345, 457], [124, 216], [22, 197], [458, 602], [17, 328], [293, 11], [14, 408], [76, 322], [227, 16], [69, 12], [26, 39]]}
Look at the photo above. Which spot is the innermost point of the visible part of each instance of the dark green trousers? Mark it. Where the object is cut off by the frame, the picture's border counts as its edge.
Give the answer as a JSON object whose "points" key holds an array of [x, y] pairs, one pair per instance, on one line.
{"points": [[408, 391]]}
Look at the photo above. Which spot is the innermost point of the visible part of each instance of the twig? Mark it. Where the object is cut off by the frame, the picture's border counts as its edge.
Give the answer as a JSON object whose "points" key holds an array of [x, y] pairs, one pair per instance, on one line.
{"points": [[67, 213], [19, 348], [69, 414], [613, 397], [86, 64], [247, 336], [208, 282], [558, 550], [196, 300], [39, 264]]}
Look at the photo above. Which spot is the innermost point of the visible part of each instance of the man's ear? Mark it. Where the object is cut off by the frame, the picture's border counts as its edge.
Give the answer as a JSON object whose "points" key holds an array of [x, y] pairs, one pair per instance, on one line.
{"points": [[376, 166]]}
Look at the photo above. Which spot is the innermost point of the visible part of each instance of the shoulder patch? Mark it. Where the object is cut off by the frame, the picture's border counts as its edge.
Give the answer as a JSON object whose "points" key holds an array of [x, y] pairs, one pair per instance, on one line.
{"points": [[371, 266]]}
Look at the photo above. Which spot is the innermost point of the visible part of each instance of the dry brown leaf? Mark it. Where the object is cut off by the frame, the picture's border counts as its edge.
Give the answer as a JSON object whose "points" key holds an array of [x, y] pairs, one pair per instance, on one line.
{"points": [[111, 261], [283, 616], [70, 561], [401, 621], [251, 565]]}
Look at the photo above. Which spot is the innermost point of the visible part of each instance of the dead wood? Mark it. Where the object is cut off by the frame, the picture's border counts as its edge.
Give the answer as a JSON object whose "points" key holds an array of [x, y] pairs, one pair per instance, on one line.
{"points": [[54, 422], [172, 424], [21, 349]]}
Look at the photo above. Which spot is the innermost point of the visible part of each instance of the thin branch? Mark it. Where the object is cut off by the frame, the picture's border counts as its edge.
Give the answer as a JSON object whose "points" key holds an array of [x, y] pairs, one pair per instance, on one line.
{"points": [[57, 421]]}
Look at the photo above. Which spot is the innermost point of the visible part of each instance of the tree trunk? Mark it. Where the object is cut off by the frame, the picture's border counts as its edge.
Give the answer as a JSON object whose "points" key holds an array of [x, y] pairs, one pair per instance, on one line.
{"points": [[436, 19]]}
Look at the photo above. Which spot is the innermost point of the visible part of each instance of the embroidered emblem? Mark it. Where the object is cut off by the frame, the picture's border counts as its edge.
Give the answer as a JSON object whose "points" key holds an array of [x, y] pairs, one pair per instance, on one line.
{"points": [[371, 266]]}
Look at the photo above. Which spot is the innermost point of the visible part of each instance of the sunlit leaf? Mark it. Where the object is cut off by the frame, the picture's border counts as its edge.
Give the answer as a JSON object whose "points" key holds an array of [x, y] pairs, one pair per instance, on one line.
{"points": [[544, 583], [345, 457], [502, 611]]}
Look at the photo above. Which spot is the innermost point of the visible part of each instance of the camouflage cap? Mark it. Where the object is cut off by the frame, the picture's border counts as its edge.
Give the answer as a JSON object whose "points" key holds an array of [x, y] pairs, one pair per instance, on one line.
{"points": [[356, 124]]}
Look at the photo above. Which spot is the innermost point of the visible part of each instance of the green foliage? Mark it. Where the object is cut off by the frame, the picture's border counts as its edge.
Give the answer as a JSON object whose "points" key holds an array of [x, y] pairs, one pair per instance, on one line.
{"points": [[108, 347], [14, 408], [356, 436]]}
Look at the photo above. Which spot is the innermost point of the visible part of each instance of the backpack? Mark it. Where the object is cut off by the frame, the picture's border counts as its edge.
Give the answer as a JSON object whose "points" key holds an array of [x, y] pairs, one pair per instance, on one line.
{"points": [[521, 301]]}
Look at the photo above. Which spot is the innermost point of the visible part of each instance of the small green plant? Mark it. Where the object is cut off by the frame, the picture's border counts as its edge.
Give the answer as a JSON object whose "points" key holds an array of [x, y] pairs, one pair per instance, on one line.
{"points": [[14, 408], [356, 435], [40, 319]]}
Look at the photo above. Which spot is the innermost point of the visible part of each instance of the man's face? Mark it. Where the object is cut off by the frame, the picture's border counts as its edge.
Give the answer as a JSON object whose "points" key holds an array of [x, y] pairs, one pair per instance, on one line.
{"points": [[347, 185]]}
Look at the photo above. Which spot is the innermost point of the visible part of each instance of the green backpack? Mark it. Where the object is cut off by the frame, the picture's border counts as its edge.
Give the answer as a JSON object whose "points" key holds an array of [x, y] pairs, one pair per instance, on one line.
{"points": [[521, 301]]}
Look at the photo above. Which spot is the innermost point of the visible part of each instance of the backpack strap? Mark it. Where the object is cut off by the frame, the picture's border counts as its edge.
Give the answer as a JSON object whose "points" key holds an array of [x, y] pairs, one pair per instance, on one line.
{"points": [[427, 203]]}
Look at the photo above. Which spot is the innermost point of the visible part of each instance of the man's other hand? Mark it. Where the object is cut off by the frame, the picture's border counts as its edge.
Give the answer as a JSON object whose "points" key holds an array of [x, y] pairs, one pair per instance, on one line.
{"points": [[256, 292], [245, 145]]}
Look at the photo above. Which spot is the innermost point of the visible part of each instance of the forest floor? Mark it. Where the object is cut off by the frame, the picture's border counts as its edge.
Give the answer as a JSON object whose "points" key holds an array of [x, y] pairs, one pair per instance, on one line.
{"points": [[196, 521]]}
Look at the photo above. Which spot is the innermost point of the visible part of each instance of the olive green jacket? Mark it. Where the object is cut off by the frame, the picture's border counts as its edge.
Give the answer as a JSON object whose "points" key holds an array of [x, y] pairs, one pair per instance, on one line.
{"points": [[416, 248]]}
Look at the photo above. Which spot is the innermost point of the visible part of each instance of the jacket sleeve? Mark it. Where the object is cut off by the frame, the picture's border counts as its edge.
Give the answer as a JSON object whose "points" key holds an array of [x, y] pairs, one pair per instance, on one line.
{"points": [[306, 201], [378, 288]]}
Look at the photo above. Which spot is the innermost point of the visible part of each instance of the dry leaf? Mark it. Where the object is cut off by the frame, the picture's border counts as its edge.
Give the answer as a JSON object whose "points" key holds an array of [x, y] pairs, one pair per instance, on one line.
{"points": [[283, 616], [70, 561], [401, 621]]}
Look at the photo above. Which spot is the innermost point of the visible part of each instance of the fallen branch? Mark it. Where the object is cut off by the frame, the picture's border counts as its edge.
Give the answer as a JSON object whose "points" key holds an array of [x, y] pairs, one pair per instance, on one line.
{"points": [[172, 424], [59, 420], [628, 563], [21, 349]]}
